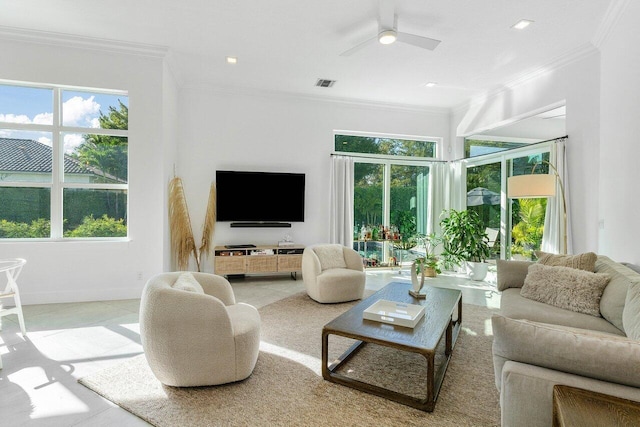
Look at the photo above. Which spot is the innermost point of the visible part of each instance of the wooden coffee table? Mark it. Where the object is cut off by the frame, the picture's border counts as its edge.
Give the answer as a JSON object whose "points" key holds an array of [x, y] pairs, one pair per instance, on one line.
{"points": [[439, 322]]}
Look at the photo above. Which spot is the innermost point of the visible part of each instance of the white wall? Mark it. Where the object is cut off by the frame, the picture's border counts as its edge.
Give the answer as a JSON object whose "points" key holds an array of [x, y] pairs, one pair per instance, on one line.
{"points": [[576, 83], [619, 131], [81, 271], [276, 134]]}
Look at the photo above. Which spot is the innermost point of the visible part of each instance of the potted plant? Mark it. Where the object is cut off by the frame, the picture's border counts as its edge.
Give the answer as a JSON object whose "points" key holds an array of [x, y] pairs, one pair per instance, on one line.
{"points": [[429, 263], [464, 240]]}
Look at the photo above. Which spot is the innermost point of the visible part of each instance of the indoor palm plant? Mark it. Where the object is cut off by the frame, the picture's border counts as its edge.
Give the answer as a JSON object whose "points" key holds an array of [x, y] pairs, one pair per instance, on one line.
{"points": [[464, 240]]}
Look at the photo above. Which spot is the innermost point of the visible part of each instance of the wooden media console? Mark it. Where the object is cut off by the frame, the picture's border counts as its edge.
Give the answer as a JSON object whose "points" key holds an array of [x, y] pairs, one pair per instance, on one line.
{"points": [[258, 260]]}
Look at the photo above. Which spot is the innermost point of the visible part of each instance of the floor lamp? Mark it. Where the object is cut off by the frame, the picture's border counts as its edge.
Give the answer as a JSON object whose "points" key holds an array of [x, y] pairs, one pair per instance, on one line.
{"points": [[533, 186]]}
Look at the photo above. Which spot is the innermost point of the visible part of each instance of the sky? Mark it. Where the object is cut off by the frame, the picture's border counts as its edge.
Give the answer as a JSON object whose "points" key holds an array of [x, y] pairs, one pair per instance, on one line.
{"points": [[28, 105]]}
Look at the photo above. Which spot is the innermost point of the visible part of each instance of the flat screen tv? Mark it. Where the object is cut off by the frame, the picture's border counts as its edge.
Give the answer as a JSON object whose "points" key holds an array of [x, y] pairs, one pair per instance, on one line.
{"points": [[259, 196]]}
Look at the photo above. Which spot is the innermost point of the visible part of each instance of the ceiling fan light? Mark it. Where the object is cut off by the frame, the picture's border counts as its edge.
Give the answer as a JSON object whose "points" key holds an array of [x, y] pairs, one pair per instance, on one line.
{"points": [[387, 36]]}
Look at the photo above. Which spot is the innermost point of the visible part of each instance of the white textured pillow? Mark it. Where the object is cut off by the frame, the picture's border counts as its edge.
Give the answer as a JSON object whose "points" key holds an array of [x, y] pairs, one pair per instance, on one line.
{"points": [[631, 312], [565, 287], [330, 256], [578, 351], [186, 282]]}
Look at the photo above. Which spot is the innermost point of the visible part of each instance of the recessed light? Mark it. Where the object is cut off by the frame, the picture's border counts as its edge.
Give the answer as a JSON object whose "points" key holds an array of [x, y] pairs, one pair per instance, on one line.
{"points": [[431, 84], [232, 60], [522, 24]]}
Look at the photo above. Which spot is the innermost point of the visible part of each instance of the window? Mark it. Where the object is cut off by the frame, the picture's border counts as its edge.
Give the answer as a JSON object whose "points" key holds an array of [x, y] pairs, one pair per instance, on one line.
{"points": [[63, 162], [479, 147], [523, 219], [391, 181]]}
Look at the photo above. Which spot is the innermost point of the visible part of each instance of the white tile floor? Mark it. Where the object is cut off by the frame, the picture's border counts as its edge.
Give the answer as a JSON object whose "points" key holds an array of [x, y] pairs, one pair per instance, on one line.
{"points": [[38, 385]]}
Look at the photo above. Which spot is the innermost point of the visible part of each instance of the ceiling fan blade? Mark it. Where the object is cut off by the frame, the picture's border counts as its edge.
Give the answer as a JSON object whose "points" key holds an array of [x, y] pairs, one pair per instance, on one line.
{"points": [[357, 47], [423, 42], [386, 18]]}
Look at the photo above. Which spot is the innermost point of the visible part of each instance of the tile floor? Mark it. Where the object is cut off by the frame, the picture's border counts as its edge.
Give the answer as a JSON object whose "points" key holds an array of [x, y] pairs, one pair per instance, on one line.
{"points": [[38, 385]]}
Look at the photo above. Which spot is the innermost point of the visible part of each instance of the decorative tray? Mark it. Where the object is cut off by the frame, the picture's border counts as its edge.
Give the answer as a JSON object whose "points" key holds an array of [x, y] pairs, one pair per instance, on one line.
{"points": [[395, 313]]}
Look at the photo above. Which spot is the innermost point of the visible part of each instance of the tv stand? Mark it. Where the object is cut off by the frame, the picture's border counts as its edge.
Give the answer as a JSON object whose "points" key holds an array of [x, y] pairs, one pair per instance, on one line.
{"points": [[261, 224], [235, 260]]}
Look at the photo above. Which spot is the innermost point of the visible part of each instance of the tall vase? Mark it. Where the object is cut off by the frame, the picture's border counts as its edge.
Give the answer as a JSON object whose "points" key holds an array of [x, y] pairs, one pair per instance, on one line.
{"points": [[416, 282]]}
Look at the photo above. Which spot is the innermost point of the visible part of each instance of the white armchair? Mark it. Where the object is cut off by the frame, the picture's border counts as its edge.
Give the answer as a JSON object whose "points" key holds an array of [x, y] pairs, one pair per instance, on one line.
{"points": [[193, 332], [332, 273]]}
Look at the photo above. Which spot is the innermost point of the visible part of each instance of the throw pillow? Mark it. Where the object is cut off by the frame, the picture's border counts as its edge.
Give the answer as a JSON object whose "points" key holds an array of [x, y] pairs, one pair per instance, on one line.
{"points": [[330, 256], [511, 274], [614, 295], [186, 282], [631, 312], [565, 287], [585, 261], [578, 351]]}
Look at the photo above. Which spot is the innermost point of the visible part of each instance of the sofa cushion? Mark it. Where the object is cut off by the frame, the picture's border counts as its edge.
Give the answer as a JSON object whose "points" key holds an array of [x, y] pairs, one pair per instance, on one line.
{"points": [[330, 256], [186, 282], [614, 295], [565, 287], [515, 306], [511, 274], [585, 261], [582, 352], [631, 312]]}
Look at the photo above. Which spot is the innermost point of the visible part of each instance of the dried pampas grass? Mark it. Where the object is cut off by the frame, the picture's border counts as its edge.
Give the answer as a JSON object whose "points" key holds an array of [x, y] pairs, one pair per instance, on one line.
{"points": [[182, 241], [209, 223]]}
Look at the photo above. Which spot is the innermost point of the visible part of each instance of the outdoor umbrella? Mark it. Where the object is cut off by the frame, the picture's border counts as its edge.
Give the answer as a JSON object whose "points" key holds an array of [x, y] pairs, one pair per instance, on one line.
{"points": [[482, 196]]}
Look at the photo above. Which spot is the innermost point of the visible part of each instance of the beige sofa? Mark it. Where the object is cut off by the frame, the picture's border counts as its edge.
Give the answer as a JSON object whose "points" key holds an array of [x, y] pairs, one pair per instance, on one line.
{"points": [[537, 345]]}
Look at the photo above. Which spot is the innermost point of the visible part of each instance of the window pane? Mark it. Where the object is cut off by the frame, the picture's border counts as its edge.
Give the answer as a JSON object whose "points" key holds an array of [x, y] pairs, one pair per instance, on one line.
{"points": [[25, 156], [483, 196], [388, 146], [95, 110], [19, 104], [95, 158], [367, 206], [94, 213], [409, 205], [477, 147], [24, 212], [527, 215]]}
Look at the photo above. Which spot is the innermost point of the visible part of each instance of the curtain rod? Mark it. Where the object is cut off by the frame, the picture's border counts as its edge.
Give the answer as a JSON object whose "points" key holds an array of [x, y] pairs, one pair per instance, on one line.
{"points": [[388, 157]]}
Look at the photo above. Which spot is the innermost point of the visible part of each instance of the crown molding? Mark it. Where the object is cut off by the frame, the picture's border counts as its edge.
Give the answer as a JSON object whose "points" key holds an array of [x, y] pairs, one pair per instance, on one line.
{"points": [[608, 23], [555, 64], [274, 94], [79, 42]]}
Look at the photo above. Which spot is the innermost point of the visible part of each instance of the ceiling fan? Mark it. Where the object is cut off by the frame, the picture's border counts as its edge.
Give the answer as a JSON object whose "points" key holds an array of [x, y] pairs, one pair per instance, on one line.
{"points": [[388, 32]]}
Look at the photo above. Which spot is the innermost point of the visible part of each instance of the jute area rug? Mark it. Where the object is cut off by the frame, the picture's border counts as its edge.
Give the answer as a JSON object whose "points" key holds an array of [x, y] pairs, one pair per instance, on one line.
{"points": [[287, 389]]}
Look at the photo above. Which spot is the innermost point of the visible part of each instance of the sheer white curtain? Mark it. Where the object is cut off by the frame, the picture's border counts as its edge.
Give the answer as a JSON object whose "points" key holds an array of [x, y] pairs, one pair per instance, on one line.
{"points": [[554, 232], [341, 204], [438, 185]]}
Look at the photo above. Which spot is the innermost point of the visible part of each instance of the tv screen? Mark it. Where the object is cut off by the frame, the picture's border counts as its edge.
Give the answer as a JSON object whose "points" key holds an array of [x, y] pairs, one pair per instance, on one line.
{"points": [[259, 196]]}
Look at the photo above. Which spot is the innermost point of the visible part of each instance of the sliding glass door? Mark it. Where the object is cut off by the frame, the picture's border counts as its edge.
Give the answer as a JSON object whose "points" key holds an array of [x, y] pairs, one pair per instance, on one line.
{"points": [[515, 226]]}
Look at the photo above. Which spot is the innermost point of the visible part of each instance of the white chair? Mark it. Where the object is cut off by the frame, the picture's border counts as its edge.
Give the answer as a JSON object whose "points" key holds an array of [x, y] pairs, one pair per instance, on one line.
{"points": [[12, 268], [333, 273], [194, 334]]}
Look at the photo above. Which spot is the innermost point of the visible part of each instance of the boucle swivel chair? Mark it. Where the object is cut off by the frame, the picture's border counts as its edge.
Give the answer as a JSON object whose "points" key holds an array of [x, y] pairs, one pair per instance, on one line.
{"points": [[333, 273], [193, 332]]}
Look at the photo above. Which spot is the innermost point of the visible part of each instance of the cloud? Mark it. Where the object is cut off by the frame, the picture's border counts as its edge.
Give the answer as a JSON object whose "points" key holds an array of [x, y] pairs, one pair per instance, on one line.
{"points": [[46, 141], [77, 111], [13, 118], [71, 142]]}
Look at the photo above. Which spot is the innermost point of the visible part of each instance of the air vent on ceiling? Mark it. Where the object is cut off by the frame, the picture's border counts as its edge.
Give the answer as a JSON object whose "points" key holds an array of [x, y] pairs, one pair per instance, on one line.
{"points": [[325, 83]]}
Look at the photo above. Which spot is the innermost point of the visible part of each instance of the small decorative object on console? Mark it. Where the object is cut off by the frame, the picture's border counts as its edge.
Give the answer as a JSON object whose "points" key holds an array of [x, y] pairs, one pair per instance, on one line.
{"points": [[394, 313]]}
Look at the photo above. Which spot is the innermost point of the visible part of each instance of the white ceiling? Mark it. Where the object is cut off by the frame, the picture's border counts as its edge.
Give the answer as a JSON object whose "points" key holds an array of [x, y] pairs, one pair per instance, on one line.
{"points": [[286, 45]]}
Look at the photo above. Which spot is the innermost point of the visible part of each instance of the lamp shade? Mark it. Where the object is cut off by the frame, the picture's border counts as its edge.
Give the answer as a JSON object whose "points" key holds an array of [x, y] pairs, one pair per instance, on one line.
{"points": [[531, 186]]}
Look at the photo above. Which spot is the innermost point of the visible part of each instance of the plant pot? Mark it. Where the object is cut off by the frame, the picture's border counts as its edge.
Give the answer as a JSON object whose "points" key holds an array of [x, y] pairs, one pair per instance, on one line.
{"points": [[430, 272], [478, 270]]}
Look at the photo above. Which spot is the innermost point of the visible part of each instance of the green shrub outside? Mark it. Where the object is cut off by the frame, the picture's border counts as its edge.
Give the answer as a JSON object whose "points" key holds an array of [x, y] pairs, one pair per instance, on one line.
{"points": [[41, 228]]}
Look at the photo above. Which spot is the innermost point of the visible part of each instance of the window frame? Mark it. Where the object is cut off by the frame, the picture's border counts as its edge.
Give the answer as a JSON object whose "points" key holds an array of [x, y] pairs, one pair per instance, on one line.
{"points": [[57, 185]]}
